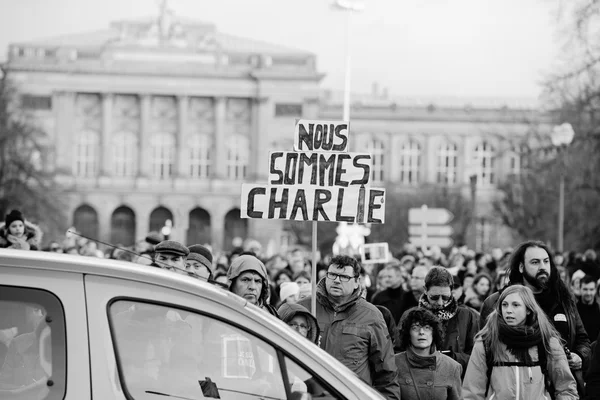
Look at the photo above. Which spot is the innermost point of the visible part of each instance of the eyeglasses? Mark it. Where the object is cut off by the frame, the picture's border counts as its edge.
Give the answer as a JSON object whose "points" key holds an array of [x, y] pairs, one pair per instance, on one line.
{"points": [[417, 328], [436, 297], [343, 278], [301, 327]]}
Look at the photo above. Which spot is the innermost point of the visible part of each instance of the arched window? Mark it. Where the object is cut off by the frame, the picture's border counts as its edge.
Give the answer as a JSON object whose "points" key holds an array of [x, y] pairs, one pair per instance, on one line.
{"points": [[200, 148], [163, 155], [124, 154], [87, 146], [377, 149], [484, 164], [199, 231], [235, 227], [410, 160], [122, 226], [85, 221], [237, 157], [447, 163], [159, 217]]}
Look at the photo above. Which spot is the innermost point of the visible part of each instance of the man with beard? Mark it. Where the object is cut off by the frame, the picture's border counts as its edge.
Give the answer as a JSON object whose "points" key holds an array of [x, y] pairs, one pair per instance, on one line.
{"points": [[460, 323], [531, 265]]}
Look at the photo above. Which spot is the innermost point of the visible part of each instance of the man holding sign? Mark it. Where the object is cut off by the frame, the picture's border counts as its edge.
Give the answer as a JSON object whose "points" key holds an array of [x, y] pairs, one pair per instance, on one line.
{"points": [[353, 330]]}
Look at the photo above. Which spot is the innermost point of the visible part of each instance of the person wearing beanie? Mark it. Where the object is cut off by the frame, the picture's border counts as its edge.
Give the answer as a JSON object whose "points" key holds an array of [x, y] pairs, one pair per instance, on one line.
{"points": [[199, 261], [248, 278], [289, 292], [18, 233], [171, 255]]}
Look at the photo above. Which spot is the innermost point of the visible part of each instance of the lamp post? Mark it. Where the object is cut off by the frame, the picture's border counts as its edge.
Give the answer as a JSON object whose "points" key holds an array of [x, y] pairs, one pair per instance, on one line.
{"points": [[166, 230], [348, 6], [562, 135]]}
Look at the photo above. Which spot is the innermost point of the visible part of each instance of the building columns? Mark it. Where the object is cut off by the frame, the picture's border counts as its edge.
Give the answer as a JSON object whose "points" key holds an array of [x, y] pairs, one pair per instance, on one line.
{"points": [[105, 148], [220, 153], [144, 142], [64, 132]]}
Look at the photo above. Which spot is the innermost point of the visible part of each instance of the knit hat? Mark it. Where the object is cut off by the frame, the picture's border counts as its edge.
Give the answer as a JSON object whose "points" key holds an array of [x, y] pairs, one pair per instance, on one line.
{"points": [[171, 247], [14, 215], [202, 255], [288, 289]]}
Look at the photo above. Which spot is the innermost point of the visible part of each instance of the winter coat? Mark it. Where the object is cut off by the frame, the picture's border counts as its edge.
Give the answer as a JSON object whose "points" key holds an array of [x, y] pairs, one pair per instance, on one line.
{"points": [[356, 335], [33, 235], [437, 376], [518, 382], [287, 311]]}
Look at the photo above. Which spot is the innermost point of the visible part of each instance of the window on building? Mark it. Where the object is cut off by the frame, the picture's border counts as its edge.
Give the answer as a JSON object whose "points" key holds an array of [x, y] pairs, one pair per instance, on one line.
{"points": [[447, 163], [163, 155], [30, 102], [410, 159], [377, 149], [517, 160], [87, 145], [484, 163], [124, 154], [200, 149], [288, 110], [237, 157]]}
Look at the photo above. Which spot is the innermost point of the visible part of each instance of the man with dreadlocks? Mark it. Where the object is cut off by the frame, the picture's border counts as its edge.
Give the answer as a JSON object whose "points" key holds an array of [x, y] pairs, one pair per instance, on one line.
{"points": [[532, 266]]}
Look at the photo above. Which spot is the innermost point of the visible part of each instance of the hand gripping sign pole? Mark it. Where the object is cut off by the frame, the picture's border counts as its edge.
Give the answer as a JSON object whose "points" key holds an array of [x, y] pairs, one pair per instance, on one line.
{"points": [[319, 181]]}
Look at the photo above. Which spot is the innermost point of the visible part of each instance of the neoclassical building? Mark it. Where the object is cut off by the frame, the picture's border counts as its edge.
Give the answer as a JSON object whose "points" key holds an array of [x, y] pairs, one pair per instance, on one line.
{"points": [[164, 119]]}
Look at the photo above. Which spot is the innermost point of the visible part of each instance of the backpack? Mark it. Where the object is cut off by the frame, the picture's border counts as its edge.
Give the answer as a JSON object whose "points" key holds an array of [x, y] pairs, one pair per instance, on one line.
{"points": [[542, 362]]}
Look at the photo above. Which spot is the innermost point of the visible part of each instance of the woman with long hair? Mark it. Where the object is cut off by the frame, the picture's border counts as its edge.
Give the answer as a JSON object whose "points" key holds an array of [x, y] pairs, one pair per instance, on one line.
{"points": [[518, 354], [480, 290], [424, 372]]}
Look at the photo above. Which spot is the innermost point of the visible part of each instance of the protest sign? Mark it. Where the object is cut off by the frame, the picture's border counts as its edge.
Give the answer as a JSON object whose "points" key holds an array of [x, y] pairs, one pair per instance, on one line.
{"points": [[373, 253], [313, 135]]}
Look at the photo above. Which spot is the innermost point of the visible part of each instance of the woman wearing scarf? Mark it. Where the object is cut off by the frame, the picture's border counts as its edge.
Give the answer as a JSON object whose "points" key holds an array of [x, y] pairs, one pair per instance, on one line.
{"points": [[460, 323], [423, 372], [518, 354]]}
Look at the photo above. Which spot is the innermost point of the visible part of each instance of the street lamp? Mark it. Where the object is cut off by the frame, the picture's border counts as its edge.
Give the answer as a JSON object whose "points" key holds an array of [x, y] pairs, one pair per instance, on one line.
{"points": [[348, 6], [562, 135], [166, 230]]}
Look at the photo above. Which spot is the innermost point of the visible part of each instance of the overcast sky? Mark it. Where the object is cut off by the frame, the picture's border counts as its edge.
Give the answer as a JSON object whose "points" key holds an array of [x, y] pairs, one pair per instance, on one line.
{"points": [[464, 48]]}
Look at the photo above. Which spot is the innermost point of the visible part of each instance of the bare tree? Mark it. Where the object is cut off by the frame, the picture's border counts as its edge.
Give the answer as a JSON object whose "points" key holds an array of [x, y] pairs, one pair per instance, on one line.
{"points": [[25, 182]]}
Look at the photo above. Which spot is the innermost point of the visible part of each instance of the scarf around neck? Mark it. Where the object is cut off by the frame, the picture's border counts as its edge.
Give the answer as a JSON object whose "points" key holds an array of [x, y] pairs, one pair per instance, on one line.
{"points": [[518, 339], [445, 313]]}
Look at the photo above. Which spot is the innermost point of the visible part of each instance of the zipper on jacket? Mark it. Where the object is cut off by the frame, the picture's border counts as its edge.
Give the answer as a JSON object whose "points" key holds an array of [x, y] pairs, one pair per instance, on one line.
{"points": [[517, 381], [530, 375]]}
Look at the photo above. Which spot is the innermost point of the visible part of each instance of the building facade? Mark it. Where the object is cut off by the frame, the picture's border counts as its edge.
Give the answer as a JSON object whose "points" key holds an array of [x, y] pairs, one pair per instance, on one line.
{"points": [[164, 119]]}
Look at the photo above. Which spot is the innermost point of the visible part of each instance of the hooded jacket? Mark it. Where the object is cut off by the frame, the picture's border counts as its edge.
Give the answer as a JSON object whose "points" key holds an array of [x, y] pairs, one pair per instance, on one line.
{"points": [[355, 334], [245, 263], [287, 311], [517, 382], [33, 233]]}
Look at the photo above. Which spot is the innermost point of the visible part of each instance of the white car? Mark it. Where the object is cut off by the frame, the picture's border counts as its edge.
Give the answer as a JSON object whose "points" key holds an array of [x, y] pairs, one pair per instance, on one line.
{"points": [[81, 328]]}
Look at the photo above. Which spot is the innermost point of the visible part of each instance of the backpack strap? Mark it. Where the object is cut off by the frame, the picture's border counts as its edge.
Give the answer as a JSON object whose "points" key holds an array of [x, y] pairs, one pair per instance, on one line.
{"points": [[489, 362]]}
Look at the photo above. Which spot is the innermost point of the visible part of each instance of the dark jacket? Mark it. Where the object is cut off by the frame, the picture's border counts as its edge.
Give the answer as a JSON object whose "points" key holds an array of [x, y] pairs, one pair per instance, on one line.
{"points": [[287, 311], [33, 233], [436, 376], [592, 378], [390, 299], [578, 341], [356, 335]]}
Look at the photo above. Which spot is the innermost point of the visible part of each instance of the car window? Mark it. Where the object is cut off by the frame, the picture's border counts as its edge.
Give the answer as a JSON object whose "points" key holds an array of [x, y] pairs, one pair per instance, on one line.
{"points": [[169, 351], [32, 345], [305, 386]]}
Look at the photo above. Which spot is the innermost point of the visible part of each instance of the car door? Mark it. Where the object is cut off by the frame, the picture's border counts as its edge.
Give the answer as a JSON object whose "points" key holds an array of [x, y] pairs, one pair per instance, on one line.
{"points": [[43, 335], [151, 342]]}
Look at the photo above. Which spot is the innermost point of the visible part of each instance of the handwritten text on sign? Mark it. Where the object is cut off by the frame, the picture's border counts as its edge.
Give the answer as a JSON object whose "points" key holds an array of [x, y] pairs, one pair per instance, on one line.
{"points": [[311, 135], [320, 169], [310, 203]]}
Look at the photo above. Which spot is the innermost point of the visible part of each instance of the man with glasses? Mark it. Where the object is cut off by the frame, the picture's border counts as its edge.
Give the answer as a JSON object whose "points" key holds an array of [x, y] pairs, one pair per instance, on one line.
{"points": [[353, 330], [460, 323]]}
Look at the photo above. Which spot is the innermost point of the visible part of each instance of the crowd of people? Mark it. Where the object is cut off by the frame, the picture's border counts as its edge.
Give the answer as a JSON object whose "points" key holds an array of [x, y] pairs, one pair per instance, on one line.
{"points": [[518, 323]]}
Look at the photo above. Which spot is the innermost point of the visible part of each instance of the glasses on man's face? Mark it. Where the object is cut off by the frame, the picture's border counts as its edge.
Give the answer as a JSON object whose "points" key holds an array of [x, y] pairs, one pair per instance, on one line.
{"points": [[343, 278], [417, 328], [435, 297], [300, 327]]}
